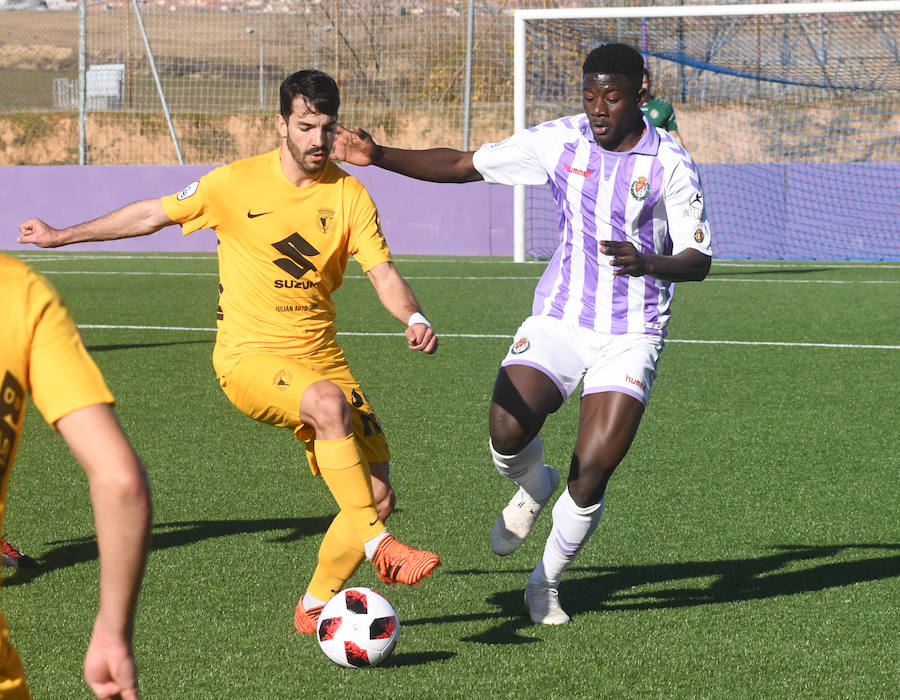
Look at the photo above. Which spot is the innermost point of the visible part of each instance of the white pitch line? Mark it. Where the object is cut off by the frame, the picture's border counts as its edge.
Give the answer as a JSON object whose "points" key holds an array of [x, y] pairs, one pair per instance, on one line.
{"points": [[504, 336], [781, 264], [775, 343], [143, 328], [741, 279], [101, 256], [129, 274], [459, 278], [844, 265]]}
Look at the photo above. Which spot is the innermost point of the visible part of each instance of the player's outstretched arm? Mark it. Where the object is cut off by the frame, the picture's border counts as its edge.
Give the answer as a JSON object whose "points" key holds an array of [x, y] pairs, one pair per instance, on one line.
{"points": [[136, 219], [434, 164], [120, 495], [397, 297]]}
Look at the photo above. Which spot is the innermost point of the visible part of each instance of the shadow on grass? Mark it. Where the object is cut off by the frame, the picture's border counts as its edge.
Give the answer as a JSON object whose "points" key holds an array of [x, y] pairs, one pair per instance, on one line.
{"points": [[792, 570], [418, 659], [134, 346], [173, 534], [770, 271], [734, 580]]}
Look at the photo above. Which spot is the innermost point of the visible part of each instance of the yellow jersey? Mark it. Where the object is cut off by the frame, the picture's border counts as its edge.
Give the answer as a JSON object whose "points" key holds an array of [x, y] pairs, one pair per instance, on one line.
{"points": [[282, 251], [41, 353]]}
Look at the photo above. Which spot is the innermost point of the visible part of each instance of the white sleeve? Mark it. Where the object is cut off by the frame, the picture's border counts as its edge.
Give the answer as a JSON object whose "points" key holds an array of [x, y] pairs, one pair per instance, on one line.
{"points": [[511, 161], [686, 211]]}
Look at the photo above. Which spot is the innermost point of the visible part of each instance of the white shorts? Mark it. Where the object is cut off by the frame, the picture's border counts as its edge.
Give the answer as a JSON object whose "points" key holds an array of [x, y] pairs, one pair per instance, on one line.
{"points": [[567, 353]]}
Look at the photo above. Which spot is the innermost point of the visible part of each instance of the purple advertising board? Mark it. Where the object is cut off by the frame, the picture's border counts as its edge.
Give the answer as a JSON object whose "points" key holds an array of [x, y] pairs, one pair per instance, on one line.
{"points": [[770, 211]]}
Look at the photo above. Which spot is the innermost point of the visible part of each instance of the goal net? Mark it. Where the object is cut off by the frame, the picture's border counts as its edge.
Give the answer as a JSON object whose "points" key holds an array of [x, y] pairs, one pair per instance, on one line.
{"points": [[790, 111]]}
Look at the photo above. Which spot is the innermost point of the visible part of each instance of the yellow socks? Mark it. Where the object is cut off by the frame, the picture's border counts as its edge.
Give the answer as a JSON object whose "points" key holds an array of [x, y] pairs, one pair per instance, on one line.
{"points": [[340, 555], [346, 473]]}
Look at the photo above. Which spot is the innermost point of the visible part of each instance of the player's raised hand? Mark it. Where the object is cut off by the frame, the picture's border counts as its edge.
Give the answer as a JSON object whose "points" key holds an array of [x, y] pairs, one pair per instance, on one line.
{"points": [[39, 233], [421, 337], [356, 147], [625, 258]]}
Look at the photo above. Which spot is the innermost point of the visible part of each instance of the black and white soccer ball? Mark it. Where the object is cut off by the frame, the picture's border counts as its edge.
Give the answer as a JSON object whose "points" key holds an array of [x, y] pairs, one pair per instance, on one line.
{"points": [[357, 628]]}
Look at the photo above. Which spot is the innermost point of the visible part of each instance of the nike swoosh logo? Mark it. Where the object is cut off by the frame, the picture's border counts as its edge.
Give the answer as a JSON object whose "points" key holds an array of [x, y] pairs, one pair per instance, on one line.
{"points": [[251, 215], [373, 522]]}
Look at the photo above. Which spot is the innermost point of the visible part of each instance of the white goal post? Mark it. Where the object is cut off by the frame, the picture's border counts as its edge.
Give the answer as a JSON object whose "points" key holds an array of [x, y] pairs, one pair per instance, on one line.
{"points": [[826, 21]]}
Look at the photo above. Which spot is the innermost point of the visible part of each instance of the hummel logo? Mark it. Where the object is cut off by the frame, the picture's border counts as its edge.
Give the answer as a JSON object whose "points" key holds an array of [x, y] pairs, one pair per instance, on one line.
{"points": [[251, 215]]}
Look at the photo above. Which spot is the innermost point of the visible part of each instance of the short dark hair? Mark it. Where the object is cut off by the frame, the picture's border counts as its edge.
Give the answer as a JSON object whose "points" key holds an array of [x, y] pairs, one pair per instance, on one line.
{"points": [[616, 58], [317, 88]]}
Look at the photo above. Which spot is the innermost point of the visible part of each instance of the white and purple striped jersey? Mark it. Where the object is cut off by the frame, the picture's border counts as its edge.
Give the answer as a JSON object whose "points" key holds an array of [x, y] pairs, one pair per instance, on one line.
{"points": [[650, 196]]}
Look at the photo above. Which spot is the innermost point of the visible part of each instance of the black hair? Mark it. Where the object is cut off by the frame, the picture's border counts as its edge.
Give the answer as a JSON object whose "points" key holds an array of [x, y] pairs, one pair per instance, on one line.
{"points": [[317, 88], [616, 58]]}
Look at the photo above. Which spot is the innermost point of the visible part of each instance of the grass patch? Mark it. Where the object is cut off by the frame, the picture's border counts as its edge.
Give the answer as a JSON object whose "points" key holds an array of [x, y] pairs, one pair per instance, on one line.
{"points": [[750, 546]]}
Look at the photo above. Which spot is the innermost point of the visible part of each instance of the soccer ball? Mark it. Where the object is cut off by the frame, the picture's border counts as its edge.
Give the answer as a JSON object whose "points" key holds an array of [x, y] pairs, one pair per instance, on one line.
{"points": [[357, 628]]}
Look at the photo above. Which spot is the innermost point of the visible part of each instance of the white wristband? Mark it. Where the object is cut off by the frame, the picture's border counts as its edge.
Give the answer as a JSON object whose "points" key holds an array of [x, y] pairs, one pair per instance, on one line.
{"points": [[418, 318]]}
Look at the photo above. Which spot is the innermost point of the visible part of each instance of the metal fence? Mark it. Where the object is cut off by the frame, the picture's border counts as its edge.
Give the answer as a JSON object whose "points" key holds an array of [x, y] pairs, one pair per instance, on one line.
{"points": [[214, 66]]}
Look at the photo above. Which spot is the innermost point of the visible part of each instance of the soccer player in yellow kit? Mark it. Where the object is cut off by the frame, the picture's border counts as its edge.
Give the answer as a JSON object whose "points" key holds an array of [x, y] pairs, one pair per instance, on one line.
{"points": [[41, 354], [286, 222]]}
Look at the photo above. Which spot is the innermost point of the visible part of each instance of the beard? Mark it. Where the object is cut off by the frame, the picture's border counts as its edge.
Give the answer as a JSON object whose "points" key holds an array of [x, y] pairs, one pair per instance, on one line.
{"points": [[300, 158]]}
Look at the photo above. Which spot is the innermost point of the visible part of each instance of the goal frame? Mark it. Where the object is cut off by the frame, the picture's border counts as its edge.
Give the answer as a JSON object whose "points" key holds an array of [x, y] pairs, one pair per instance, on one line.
{"points": [[522, 17]]}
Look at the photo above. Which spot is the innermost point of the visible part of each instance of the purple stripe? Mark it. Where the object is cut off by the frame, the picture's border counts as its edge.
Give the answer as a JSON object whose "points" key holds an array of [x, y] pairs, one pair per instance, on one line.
{"points": [[545, 125], [648, 246], [609, 167], [620, 389], [689, 163], [619, 320], [543, 370], [561, 185], [545, 284], [564, 546], [589, 195], [667, 244]]}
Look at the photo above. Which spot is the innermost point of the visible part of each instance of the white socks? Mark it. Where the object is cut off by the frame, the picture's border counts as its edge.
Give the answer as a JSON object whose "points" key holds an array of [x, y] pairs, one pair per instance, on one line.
{"points": [[526, 469], [372, 544], [572, 527], [310, 601]]}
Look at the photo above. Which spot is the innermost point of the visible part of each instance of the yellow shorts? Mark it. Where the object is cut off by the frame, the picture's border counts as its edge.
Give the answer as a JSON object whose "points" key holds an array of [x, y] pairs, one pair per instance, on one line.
{"points": [[268, 388], [12, 674]]}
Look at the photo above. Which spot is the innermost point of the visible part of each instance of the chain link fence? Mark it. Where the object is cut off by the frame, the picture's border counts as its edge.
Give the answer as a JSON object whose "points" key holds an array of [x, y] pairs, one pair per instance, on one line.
{"points": [[401, 66]]}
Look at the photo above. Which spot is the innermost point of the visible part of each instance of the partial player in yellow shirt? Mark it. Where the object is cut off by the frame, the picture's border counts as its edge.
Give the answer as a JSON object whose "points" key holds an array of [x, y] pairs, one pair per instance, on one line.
{"points": [[287, 222], [42, 355]]}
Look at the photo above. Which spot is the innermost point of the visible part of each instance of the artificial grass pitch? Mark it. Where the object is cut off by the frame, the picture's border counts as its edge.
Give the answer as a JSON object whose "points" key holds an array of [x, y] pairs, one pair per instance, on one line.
{"points": [[750, 545]]}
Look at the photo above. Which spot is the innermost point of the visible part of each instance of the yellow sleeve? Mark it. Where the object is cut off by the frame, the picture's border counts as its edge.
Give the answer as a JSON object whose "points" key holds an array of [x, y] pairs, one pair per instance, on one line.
{"points": [[195, 207], [367, 243], [62, 377]]}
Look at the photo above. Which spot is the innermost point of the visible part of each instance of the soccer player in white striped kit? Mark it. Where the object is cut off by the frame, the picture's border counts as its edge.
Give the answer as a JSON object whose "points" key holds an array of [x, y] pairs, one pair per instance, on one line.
{"points": [[631, 224]]}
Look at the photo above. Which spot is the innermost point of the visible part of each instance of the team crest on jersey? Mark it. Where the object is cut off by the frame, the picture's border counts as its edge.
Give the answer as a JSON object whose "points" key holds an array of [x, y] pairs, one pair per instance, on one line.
{"points": [[282, 379], [699, 235], [189, 190], [640, 188], [520, 346], [325, 220]]}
